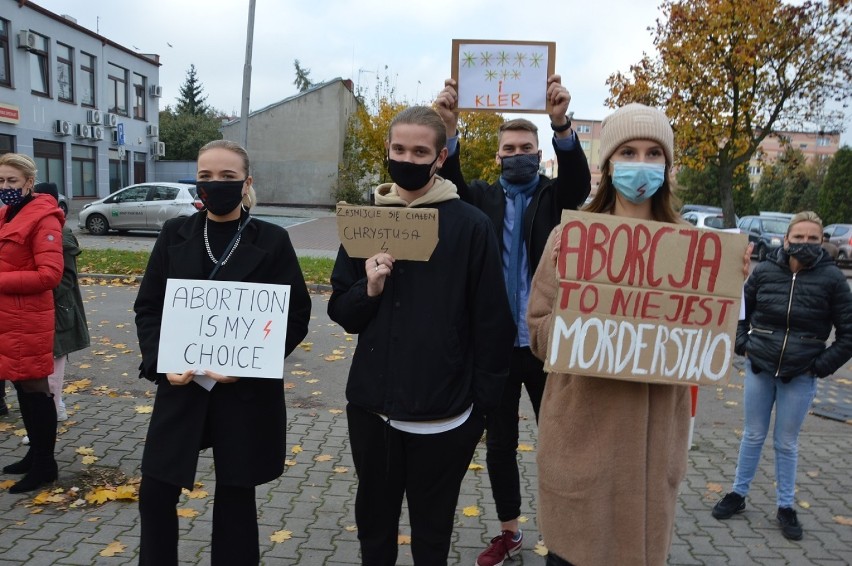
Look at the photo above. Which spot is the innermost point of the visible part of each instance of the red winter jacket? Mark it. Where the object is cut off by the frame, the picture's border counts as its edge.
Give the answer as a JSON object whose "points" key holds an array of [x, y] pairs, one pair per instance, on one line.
{"points": [[30, 267]]}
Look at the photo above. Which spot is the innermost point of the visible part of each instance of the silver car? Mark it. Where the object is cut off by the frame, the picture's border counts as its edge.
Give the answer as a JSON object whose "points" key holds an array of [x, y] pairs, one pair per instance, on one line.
{"points": [[145, 206]]}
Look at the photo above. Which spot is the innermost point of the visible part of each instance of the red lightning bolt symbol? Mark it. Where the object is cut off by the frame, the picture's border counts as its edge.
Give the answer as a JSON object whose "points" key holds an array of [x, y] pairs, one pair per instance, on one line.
{"points": [[266, 329]]}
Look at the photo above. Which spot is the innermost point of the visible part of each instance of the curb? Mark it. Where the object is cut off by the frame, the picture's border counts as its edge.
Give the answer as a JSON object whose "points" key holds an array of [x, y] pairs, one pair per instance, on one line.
{"points": [[316, 288]]}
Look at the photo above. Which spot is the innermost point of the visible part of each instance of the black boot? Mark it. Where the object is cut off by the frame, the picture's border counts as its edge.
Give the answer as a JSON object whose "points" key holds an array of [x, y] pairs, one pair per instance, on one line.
{"points": [[42, 433], [4, 408], [23, 466]]}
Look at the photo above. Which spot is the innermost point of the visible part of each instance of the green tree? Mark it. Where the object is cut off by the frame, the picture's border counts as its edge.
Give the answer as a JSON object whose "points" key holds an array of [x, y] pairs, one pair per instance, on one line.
{"points": [[729, 73], [191, 99], [790, 184], [835, 196], [701, 186], [303, 81], [184, 134]]}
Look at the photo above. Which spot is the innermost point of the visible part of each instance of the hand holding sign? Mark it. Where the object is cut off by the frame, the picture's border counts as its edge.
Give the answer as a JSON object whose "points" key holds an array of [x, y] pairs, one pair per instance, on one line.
{"points": [[378, 269]]}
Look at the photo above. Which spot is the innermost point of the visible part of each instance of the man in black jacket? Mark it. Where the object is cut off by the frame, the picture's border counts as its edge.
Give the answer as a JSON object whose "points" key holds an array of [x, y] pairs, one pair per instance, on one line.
{"points": [[523, 206]]}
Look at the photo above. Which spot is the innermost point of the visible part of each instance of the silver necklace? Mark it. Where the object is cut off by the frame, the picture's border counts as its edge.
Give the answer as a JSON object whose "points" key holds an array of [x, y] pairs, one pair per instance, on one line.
{"points": [[210, 252]]}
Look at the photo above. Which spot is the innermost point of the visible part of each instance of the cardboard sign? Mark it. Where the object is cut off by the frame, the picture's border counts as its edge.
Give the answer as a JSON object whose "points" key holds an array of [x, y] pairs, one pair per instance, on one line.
{"points": [[503, 76], [645, 301], [232, 328], [404, 233]]}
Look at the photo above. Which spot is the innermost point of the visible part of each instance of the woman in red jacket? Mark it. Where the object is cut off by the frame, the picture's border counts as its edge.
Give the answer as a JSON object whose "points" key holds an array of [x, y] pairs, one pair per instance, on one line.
{"points": [[30, 267]]}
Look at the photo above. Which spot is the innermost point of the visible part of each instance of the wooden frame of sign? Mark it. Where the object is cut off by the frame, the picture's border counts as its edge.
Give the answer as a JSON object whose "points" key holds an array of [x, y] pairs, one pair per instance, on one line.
{"points": [[502, 75]]}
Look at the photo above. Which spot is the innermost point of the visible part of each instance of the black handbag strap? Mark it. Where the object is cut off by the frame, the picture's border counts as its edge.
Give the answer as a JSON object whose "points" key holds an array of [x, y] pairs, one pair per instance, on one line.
{"points": [[229, 247]]}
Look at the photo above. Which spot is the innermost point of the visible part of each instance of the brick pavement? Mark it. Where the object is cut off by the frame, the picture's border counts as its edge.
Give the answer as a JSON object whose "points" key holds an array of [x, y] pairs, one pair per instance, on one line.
{"points": [[315, 501]]}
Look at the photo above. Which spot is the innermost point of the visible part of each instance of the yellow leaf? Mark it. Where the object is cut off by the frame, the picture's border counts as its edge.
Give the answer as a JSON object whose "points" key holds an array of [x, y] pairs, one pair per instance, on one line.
{"points": [[312, 380], [187, 513], [306, 346], [100, 496], [289, 385], [471, 511], [316, 392], [350, 528], [841, 520], [300, 372], [403, 539], [333, 358], [281, 536], [112, 549], [335, 411], [289, 462], [143, 409], [540, 549], [525, 448], [119, 346], [804, 504], [6, 426], [87, 460], [85, 366], [323, 458], [731, 403], [714, 487], [36, 511], [198, 494], [349, 339], [85, 451], [340, 470], [6, 484], [523, 519], [41, 498], [126, 492], [21, 432], [475, 467], [338, 352], [813, 474], [297, 449]]}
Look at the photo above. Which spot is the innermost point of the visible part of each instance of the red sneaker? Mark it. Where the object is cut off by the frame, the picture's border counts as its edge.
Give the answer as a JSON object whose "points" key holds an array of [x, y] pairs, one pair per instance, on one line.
{"points": [[502, 546]]}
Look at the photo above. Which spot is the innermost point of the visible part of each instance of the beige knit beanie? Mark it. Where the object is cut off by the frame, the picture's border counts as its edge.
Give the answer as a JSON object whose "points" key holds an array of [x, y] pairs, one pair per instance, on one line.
{"points": [[636, 122]]}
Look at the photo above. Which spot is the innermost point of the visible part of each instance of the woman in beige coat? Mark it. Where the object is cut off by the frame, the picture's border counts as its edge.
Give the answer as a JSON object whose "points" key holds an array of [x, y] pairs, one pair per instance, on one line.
{"points": [[611, 453]]}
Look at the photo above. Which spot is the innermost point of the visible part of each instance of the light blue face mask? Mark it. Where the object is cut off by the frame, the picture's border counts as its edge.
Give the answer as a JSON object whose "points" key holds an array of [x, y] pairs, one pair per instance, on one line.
{"points": [[637, 182]]}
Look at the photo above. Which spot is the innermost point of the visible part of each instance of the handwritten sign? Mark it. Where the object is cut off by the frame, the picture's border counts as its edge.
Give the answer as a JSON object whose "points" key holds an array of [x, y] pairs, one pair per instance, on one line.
{"points": [[503, 76], [645, 301], [404, 233], [233, 328]]}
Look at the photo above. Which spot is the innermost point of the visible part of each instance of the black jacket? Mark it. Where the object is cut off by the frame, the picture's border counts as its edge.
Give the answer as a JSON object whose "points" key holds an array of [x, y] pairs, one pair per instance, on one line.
{"points": [[440, 335], [567, 191], [789, 318], [246, 420]]}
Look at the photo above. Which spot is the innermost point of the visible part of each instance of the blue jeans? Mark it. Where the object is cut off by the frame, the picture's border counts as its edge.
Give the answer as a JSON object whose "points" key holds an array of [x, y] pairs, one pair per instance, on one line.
{"points": [[792, 401]]}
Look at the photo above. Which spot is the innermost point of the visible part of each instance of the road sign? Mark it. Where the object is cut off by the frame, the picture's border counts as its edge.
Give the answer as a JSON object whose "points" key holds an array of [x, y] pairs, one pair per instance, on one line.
{"points": [[121, 133], [121, 152]]}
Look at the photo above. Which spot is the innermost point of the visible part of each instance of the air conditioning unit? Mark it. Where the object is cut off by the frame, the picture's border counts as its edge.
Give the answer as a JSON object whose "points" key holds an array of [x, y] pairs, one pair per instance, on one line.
{"points": [[26, 39], [93, 117], [114, 137], [110, 120], [158, 149], [83, 131], [152, 131], [62, 127], [97, 133], [156, 91]]}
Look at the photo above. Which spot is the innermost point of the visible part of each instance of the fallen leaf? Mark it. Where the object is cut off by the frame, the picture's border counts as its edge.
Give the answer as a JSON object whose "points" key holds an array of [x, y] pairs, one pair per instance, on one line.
{"points": [[101, 496], [6, 426], [813, 474], [540, 549], [312, 380], [316, 392], [523, 519], [289, 462], [87, 460], [112, 549], [187, 513], [144, 409], [804, 504], [41, 498], [403, 539], [333, 358], [525, 448], [85, 366], [281, 536], [198, 494], [475, 467], [21, 432], [289, 385], [335, 411], [84, 451], [351, 528], [731, 403], [841, 520], [126, 493], [306, 346], [6, 484], [323, 458], [300, 372], [340, 470], [338, 352], [297, 449], [36, 511], [471, 511], [715, 487]]}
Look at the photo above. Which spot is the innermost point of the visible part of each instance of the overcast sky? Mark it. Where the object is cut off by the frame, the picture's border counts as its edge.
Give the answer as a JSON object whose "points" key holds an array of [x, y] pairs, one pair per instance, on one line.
{"points": [[357, 39]]}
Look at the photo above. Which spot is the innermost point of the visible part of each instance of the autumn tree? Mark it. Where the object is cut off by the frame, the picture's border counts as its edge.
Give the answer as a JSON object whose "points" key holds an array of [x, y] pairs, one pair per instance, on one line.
{"points": [[702, 186], [835, 196], [477, 133], [303, 80], [729, 73], [192, 101]]}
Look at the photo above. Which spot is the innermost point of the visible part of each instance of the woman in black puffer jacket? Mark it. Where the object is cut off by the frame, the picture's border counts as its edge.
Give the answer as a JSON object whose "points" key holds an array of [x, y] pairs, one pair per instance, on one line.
{"points": [[792, 301]]}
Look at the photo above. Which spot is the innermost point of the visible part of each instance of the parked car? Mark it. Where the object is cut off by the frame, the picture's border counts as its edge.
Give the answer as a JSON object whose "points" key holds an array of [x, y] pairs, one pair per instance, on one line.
{"points": [[700, 208], [841, 236], [767, 232], [63, 204], [145, 206], [699, 219]]}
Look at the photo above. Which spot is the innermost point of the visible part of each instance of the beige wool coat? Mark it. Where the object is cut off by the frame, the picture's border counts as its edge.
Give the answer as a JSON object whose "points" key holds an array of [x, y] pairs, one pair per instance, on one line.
{"points": [[611, 455]]}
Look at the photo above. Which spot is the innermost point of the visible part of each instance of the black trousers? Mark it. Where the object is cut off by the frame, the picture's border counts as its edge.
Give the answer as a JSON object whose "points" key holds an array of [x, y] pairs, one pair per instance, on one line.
{"points": [[553, 560], [235, 533], [425, 468], [502, 437]]}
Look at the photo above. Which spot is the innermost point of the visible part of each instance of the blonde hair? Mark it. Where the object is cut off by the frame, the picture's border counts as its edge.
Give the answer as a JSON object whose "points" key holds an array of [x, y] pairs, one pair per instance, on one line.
{"points": [[22, 163], [250, 198], [805, 216]]}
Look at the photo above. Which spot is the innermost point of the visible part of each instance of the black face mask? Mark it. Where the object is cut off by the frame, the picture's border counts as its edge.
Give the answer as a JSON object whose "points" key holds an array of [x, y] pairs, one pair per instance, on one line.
{"points": [[806, 254], [521, 168], [220, 197], [410, 176]]}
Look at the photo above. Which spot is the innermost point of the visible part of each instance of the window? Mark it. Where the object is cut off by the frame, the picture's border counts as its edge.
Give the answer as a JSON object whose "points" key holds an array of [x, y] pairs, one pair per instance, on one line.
{"points": [[117, 171], [823, 142], [7, 144], [803, 146], [139, 160], [39, 68], [753, 170], [83, 171], [87, 80], [585, 144], [65, 72], [117, 89], [583, 129], [49, 158], [5, 70], [139, 96]]}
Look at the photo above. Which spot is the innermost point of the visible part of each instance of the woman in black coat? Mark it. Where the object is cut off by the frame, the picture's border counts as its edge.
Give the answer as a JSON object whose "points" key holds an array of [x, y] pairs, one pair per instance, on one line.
{"points": [[243, 420]]}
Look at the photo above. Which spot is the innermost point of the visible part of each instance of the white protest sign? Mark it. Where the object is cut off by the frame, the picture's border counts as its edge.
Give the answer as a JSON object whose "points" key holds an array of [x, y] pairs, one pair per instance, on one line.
{"points": [[232, 328], [503, 76]]}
